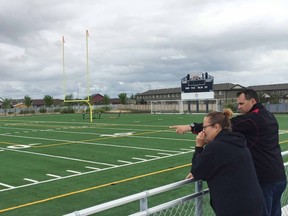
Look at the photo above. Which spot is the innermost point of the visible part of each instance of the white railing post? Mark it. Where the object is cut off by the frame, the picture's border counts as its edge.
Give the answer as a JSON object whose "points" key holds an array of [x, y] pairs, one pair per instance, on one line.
{"points": [[144, 202], [198, 200]]}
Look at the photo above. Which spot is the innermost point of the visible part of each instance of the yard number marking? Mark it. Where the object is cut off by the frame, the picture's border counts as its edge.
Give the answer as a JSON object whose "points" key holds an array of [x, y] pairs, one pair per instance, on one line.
{"points": [[117, 134]]}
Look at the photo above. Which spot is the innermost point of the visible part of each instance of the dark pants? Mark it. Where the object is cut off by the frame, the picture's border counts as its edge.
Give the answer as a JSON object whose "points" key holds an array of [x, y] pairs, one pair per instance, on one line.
{"points": [[272, 195]]}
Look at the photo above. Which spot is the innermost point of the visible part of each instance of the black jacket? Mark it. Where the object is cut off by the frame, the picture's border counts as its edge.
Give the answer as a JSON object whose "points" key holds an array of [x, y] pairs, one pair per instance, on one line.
{"points": [[227, 166], [260, 129]]}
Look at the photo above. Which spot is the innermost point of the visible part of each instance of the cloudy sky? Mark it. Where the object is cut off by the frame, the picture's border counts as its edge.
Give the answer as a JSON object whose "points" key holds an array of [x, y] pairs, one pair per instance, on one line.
{"points": [[134, 45]]}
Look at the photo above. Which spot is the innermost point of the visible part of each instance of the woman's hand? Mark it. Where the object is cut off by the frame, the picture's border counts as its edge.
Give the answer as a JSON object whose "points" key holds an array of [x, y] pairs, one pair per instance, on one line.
{"points": [[200, 139]]}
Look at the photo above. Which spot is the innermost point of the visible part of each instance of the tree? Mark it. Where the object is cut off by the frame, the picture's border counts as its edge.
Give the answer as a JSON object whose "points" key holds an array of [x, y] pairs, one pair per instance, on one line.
{"points": [[68, 98], [48, 100], [106, 99], [142, 101], [6, 105], [123, 98], [27, 101], [91, 100], [132, 97], [275, 98]]}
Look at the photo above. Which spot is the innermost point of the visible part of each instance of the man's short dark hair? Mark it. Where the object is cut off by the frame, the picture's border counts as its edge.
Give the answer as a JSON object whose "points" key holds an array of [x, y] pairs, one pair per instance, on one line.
{"points": [[249, 94]]}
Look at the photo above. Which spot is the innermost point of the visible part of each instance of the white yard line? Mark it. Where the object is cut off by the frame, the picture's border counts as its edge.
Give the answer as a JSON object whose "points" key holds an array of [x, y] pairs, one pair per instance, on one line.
{"points": [[73, 171], [152, 156], [31, 180], [169, 153], [126, 162], [33, 144], [161, 153], [185, 149], [134, 136], [54, 176], [87, 173], [93, 168], [97, 144], [94, 133], [60, 157], [6, 185], [140, 159]]}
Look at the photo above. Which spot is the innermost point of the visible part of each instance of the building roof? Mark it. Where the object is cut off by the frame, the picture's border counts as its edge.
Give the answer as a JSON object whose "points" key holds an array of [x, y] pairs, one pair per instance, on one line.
{"points": [[281, 86], [94, 95], [161, 91], [227, 86]]}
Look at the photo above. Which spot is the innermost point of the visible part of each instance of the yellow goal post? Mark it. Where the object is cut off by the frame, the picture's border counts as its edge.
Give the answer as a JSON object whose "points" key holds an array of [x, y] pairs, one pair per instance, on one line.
{"points": [[87, 74]]}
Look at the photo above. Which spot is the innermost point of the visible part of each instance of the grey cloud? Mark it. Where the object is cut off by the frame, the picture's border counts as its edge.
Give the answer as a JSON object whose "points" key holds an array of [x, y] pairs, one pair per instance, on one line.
{"points": [[137, 46]]}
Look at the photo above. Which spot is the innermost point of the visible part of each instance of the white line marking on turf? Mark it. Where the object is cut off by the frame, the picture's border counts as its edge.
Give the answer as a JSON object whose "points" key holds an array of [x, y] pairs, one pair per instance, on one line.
{"points": [[117, 134], [73, 171], [184, 149], [31, 180], [161, 153], [6, 185], [89, 172], [33, 144], [140, 159], [152, 156], [93, 168], [18, 146], [126, 162], [98, 144], [54, 176], [61, 157]]}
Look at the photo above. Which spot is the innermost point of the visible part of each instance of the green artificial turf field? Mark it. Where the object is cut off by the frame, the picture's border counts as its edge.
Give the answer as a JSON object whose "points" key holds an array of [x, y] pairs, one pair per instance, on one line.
{"points": [[57, 164]]}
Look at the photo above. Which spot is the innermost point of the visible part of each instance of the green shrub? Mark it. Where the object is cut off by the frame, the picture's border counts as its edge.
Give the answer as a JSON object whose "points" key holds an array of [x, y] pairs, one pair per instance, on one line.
{"points": [[42, 110], [27, 111], [232, 106], [67, 110], [57, 110]]}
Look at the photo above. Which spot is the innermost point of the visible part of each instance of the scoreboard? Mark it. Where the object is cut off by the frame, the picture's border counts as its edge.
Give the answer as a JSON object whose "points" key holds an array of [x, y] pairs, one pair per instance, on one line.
{"points": [[197, 82]]}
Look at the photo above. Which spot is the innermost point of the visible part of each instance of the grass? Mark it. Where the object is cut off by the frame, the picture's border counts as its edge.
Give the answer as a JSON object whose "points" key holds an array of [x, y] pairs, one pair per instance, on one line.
{"points": [[57, 164]]}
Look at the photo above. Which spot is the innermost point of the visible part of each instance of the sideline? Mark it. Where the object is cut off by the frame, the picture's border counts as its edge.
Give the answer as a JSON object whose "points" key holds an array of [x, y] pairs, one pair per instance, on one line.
{"points": [[93, 188]]}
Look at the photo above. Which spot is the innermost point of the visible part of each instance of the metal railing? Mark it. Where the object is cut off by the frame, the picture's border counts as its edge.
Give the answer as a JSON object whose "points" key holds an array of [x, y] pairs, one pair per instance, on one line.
{"points": [[180, 206]]}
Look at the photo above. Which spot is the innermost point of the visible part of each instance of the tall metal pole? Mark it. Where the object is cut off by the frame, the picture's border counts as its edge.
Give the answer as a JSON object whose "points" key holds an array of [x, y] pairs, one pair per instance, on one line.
{"points": [[87, 63], [88, 78], [63, 67]]}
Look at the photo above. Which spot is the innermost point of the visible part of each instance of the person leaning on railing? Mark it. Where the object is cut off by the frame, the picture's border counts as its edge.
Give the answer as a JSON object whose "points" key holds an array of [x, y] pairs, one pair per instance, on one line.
{"points": [[260, 129], [227, 166]]}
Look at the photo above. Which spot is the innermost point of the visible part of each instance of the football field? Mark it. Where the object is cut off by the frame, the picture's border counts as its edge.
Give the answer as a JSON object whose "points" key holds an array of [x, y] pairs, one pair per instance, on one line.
{"points": [[57, 164]]}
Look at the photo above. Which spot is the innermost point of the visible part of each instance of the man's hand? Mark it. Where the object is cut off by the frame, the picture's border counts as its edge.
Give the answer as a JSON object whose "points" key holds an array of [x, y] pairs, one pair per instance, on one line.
{"points": [[189, 176], [181, 129]]}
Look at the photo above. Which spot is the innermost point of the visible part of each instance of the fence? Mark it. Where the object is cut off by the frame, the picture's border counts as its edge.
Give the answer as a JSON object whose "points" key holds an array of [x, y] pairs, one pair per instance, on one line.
{"points": [[212, 105], [202, 106], [195, 203], [184, 106]]}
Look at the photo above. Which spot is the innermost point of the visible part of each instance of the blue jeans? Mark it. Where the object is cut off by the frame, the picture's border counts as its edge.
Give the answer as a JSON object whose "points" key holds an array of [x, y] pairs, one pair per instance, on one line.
{"points": [[272, 196]]}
